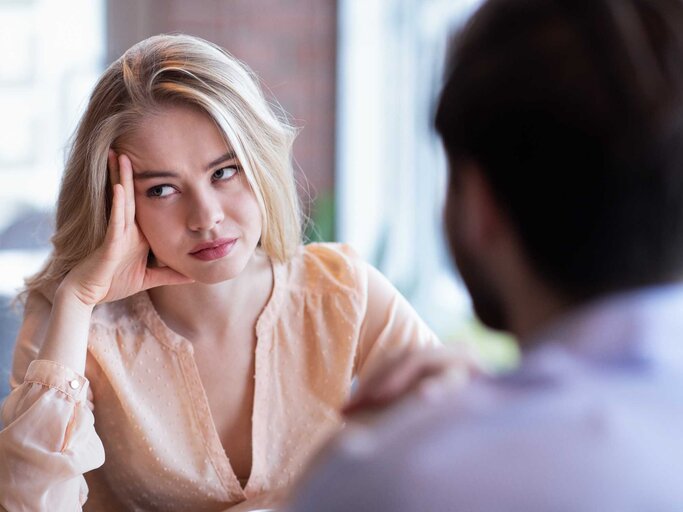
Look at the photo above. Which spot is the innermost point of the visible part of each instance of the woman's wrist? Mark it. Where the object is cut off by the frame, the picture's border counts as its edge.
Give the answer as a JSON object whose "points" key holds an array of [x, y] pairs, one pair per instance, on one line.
{"points": [[69, 294], [66, 337]]}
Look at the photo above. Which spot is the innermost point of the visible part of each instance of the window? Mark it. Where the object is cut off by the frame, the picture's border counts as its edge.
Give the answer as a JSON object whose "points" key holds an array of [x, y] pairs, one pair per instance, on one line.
{"points": [[391, 170], [51, 52]]}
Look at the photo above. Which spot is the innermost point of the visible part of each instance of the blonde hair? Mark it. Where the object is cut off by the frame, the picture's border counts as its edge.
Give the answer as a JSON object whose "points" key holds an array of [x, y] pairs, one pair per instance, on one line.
{"points": [[163, 70]]}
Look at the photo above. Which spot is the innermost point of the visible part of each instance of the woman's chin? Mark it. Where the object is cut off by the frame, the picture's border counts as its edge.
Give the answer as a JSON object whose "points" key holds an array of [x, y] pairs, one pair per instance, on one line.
{"points": [[213, 276], [209, 273]]}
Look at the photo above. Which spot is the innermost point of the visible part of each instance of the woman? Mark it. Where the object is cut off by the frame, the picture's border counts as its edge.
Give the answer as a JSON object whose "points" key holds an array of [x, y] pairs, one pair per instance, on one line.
{"points": [[179, 326]]}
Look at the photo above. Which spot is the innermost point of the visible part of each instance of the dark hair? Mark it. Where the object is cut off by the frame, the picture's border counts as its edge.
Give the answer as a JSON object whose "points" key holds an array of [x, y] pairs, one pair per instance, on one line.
{"points": [[573, 110]]}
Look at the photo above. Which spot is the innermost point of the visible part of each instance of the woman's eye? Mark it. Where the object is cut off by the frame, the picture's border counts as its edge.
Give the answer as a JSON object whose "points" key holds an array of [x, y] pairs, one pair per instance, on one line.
{"points": [[160, 191], [225, 173]]}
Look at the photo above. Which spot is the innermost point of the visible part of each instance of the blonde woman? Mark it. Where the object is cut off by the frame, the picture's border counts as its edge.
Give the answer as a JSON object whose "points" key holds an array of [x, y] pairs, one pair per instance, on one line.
{"points": [[181, 349]]}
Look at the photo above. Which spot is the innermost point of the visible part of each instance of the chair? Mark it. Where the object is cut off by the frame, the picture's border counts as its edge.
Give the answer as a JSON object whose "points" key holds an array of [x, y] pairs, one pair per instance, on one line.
{"points": [[10, 320]]}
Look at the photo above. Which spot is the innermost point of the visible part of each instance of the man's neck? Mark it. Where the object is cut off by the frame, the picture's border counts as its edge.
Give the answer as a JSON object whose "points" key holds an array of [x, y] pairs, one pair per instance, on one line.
{"points": [[531, 305]]}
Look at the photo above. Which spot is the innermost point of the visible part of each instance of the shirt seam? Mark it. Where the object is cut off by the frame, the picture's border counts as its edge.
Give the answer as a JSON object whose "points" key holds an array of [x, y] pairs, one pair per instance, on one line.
{"points": [[52, 386], [226, 485]]}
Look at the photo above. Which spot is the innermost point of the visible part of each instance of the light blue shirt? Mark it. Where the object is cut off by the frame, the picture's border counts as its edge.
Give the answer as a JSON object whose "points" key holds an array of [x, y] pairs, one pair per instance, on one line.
{"points": [[591, 421]]}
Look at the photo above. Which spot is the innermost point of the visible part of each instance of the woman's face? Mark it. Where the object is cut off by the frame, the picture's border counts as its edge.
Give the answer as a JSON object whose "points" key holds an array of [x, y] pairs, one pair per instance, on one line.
{"points": [[192, 201]]}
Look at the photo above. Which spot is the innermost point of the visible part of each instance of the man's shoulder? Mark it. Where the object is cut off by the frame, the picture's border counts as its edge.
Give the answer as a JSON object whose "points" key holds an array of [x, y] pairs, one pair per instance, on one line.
{"points": [[517, 441], [582, 414]]}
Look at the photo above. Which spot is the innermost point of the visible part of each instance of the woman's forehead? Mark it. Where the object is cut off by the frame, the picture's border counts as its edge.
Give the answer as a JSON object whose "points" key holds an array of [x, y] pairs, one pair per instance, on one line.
{"points": [[175, 135]]}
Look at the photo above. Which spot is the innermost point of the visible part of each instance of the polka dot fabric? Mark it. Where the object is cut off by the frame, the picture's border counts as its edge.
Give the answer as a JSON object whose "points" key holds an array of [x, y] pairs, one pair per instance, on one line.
{"points": [[151, 413]]}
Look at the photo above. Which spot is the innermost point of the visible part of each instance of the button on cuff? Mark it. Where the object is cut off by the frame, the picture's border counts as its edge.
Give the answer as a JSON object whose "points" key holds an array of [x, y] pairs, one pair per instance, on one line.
{"points": [[57, 376]]}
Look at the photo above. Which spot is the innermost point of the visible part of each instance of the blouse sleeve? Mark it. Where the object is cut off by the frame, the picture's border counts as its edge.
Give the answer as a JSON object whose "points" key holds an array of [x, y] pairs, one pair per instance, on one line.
{"points": [[48, 441], [390, 324]]}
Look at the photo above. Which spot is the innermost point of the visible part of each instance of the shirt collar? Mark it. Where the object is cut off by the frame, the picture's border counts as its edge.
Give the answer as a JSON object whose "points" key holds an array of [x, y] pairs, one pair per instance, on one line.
{"points": [[634, 327]]}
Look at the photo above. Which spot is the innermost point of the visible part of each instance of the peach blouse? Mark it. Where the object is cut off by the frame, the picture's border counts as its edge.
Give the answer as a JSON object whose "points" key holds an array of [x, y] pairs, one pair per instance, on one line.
{"points": [[141, 401]]}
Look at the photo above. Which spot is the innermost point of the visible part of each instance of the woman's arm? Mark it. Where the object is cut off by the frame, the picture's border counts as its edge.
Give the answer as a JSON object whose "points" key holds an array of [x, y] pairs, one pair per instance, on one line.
{"points": [[390, 325], [115, 270], [399, 354], [49, 440], [66, 334]]}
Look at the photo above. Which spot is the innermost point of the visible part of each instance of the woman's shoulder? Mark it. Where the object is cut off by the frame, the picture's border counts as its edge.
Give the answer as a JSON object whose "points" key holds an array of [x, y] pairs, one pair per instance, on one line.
{"points": [[328, 264], [329, 253]]}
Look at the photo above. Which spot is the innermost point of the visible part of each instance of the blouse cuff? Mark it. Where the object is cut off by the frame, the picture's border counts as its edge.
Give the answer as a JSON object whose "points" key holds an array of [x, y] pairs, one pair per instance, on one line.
{"points": [[57, 376]]}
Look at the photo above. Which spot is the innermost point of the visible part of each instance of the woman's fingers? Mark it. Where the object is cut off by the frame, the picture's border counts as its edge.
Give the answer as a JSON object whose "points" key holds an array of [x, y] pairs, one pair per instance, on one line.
{"points": [[121, 173], [117, 221], [126, 243], [163, 276], [126, 177]]}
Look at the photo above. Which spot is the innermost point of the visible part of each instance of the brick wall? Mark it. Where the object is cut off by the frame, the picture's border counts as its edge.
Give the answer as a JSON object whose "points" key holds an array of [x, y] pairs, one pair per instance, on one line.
{"points": [[290, 44]]}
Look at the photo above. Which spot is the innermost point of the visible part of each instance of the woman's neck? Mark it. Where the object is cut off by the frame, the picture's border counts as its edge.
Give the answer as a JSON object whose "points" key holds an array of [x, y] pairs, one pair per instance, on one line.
{"points": [[200, 311]]}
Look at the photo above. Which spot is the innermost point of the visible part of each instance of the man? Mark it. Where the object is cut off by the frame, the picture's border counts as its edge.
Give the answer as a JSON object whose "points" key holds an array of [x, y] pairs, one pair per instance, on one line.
{"points": [[563, 125]]}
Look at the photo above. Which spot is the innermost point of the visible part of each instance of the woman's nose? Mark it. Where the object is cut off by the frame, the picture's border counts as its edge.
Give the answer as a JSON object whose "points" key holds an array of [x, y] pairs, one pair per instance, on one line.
{"points": [[205, 212]]}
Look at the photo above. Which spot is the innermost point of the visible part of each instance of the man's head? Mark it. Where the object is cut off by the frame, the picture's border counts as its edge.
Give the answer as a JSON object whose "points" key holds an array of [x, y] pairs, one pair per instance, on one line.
{"points": [[570, 112]]}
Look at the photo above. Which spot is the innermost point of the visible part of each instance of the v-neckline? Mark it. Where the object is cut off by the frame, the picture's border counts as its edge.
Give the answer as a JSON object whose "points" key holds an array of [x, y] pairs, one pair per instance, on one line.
{"points": [[144, 307]]}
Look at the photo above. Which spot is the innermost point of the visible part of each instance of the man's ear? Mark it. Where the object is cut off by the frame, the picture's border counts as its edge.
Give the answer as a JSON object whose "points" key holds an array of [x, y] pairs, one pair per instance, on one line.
{"points": [[483, 221]]}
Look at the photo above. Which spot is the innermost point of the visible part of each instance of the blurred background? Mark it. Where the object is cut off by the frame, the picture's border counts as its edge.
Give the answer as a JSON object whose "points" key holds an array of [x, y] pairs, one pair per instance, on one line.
{"points": [[358, 77]]}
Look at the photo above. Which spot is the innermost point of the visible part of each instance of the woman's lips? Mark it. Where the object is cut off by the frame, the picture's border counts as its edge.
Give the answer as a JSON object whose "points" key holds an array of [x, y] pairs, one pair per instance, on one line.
{"points": [[213, 250]]}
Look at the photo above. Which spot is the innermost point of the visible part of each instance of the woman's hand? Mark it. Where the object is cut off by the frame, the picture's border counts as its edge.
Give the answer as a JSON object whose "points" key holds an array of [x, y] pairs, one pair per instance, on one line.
{"points": [[428, 372], [118, 268]]}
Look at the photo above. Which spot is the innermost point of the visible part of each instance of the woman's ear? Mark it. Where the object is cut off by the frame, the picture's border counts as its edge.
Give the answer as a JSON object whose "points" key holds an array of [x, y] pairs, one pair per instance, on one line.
{"points": [[113, 167]]}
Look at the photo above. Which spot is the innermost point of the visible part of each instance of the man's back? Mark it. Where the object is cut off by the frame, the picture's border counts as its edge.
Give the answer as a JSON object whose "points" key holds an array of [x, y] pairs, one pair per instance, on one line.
{"points": [[562, 121], [591, 422]]}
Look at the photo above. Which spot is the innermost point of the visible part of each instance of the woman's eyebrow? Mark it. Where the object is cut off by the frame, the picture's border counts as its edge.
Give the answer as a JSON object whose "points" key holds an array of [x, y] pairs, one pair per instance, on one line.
{"points": [[146, 175], [230, 155]]}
